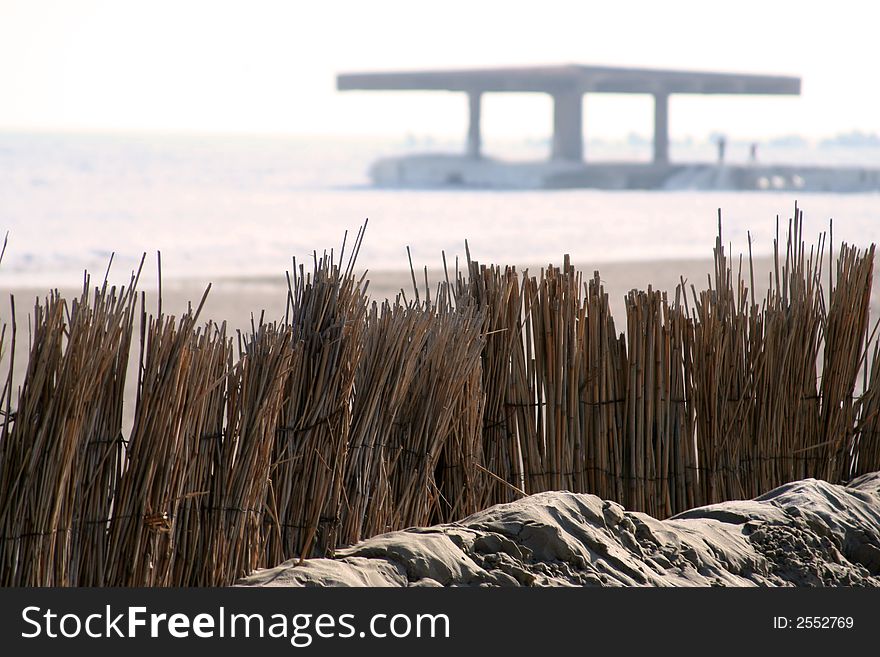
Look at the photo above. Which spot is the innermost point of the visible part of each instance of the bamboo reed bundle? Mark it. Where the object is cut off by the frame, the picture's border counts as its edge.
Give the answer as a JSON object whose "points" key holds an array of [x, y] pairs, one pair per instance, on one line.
{"points": [[444, 374], [385, 376], [28, 535], [460, 477], [101, 455], [866, 456], [59, 450], [721, 380], [242, 524], [169, 423], [557, 315], [786, 337], [684, 484], [326, 313], [603, 396], [3, 329], [649, 406], [508, 406], [429, 435], [846, 331], [197, 506]]}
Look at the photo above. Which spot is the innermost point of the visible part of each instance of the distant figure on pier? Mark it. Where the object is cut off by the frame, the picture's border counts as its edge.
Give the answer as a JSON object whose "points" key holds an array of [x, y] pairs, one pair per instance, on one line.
{"points": [[722, 145], [753, 152]]}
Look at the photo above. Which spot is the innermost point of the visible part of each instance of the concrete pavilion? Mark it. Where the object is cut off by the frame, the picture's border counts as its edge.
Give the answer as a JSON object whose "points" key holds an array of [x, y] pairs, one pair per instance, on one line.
{"points": [[567, 85]]}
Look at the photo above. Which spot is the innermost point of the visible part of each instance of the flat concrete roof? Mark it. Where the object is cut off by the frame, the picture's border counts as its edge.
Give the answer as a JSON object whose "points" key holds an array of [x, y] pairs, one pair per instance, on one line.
{"points": [[572, 77]]}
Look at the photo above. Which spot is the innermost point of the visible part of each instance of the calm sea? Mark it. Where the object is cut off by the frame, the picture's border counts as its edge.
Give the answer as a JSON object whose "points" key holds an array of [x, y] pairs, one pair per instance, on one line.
{"points": [[243, 206]]}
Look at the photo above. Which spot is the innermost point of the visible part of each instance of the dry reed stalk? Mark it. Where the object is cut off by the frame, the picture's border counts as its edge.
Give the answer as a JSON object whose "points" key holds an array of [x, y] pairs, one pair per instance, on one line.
{"points": [[326, 311], [194, 511], [651, 406], [67, 422], [556, 460], [386, 373], [3, 330], [786, 337], [101, 455], [866, 457], [424, 424], [846, 331], [460, 482], [682, 419], [603, 395], [508, 407], [174, 378], [722, 388], [24, 452], [241, 520]]}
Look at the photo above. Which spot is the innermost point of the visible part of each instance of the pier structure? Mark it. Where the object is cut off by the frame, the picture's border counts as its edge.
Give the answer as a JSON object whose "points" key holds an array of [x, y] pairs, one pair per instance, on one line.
{"points": [[567, 166], [567, 85]]}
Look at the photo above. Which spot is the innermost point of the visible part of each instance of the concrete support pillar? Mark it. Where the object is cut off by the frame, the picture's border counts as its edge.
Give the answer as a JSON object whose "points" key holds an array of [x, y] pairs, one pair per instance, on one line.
{"points": [[568, 136], [474, 140], [661, 128]]}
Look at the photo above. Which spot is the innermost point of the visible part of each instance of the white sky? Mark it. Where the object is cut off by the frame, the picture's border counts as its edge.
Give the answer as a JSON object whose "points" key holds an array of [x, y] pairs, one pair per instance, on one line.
{"points": [[268, 66]]}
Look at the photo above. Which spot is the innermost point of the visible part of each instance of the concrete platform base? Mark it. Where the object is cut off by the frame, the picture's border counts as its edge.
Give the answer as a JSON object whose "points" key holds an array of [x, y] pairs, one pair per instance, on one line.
{"points": [[451, 171]]}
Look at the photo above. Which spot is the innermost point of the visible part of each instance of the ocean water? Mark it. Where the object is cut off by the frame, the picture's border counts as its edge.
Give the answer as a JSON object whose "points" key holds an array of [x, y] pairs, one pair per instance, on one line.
{"points": [[242, 207]]}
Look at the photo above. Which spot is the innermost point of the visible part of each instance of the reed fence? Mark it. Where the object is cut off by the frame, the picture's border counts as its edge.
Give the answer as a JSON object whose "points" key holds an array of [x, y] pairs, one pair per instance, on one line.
{"points": [[348, 418]]}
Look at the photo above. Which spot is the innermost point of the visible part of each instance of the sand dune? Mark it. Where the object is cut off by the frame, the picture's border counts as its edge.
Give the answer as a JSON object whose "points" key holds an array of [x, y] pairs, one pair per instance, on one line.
{"points": [[806, 533]]}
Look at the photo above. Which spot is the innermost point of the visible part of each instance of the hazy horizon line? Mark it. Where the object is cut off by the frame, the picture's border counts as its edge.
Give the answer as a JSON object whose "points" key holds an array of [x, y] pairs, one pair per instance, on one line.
{"points": [[440, 137]]}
